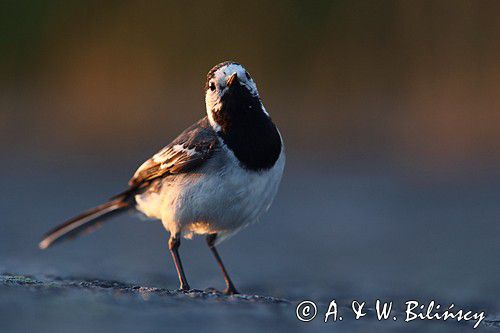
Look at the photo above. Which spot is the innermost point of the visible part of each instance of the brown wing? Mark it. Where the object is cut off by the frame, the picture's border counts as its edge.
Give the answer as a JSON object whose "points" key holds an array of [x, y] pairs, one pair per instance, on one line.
{"points": [[187, 152]]}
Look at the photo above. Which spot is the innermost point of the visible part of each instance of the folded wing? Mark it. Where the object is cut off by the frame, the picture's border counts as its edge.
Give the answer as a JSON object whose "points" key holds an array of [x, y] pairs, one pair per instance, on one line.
{"points": [[187, 152]]}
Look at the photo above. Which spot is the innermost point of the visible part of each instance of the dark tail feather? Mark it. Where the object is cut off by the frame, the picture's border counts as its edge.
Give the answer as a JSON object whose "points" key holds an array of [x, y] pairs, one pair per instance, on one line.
{"points": [[84, 223]]}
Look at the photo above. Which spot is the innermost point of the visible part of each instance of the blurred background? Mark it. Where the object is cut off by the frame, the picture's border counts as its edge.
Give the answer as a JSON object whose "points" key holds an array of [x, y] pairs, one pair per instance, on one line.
{"points": [[390, 111]]}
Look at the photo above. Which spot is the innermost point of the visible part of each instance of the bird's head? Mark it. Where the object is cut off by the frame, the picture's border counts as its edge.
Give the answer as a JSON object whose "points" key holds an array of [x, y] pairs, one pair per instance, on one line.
{"points": [[230, 95]]}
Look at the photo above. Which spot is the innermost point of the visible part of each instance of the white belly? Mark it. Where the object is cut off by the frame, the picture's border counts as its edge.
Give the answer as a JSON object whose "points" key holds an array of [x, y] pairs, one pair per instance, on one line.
{"points": [[218, 199]]}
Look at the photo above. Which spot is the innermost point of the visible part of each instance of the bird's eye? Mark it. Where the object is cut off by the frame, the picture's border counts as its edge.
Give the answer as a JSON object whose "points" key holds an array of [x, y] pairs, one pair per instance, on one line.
{"points": [[247, 75], [212, 86]]}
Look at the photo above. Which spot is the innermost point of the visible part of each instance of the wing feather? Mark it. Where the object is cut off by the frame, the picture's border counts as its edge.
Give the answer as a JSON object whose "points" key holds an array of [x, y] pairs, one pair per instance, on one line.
{"points": [[187, 152]]}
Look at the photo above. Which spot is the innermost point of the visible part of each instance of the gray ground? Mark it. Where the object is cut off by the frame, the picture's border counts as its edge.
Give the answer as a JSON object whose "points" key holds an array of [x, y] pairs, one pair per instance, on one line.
{"points": [[383, 233]]}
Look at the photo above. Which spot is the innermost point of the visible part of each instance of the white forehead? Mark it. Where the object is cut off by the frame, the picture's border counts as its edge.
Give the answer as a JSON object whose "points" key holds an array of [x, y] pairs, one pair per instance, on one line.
{"points": [[227, 70], [222, 74]]}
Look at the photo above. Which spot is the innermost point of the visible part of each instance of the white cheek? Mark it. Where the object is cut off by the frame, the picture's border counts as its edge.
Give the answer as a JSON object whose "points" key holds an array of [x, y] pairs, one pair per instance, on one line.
{"points": [[212, 100], [213, 104]]}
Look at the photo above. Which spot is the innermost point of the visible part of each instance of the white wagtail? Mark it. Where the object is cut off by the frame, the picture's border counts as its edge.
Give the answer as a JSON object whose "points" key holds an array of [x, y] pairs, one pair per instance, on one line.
{"points": [[215, 178]]}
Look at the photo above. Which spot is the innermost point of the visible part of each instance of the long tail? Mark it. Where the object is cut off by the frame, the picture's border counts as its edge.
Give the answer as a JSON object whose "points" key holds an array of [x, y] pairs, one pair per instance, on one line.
{"points": [[85, 222]]}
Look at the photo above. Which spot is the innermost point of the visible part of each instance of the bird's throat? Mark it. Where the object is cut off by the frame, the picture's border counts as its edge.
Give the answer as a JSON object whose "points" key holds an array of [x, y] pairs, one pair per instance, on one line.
{"points": [[249, 132]]}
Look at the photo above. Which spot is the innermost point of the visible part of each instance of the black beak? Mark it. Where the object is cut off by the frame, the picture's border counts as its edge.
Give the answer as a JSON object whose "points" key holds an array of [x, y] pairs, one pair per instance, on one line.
{"points": [[232, 79]]}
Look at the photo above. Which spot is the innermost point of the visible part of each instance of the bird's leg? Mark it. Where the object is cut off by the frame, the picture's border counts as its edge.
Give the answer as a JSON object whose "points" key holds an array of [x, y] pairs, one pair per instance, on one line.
{"points": [[173, 244], [230, 289]]}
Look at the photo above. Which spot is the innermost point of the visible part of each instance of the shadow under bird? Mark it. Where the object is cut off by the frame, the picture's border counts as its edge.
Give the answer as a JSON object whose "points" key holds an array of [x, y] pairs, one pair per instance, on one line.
{"points": [[218, 176]]}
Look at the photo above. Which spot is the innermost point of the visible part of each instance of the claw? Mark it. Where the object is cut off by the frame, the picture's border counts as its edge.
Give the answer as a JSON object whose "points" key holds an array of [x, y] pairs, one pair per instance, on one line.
{"points": [[230, 291]]}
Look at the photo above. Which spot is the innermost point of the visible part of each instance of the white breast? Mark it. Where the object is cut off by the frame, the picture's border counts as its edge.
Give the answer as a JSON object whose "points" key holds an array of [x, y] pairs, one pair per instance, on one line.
{"points": [[221, 197]]}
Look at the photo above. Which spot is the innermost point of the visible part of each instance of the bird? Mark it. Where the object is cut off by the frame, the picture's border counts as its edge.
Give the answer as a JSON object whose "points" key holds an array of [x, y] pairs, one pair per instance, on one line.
{"points": [[218, 176]]}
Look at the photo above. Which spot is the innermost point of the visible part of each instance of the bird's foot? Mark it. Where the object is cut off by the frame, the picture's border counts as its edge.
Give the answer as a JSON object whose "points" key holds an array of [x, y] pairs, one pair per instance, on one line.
{"points": [[231, 290], [184, 287]]}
